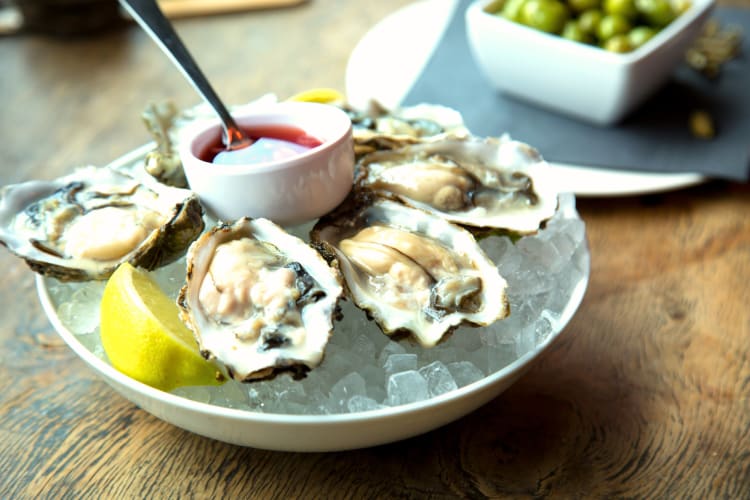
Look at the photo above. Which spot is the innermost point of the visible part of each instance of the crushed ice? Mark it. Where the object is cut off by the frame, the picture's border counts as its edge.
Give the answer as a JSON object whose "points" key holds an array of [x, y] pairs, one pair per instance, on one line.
{"points": [[364, 370]]}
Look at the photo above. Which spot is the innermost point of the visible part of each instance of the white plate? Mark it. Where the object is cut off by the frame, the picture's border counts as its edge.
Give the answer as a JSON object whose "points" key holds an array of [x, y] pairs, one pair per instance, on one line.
{"points": [[390, 57], [324, 432]]}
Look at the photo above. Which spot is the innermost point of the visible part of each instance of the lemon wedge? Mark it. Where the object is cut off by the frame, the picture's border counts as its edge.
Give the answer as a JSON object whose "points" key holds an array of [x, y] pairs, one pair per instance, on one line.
{"points": [[144, 338], [321, 95]]}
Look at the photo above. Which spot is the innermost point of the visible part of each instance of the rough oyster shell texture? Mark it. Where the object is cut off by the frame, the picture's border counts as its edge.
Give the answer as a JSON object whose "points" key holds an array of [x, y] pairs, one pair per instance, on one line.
{"points": [[259, 299], [413, 272], [486, 183], [83, 225], [378, 128]]}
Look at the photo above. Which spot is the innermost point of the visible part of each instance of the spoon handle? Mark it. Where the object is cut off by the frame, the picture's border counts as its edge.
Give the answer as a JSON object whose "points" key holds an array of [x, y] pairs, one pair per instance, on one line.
{"points": [[150, 17]]}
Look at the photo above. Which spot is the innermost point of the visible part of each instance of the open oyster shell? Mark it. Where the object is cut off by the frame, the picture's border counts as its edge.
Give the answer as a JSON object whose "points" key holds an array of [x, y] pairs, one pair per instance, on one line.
{"points": [[412, 271], [258, 299], [378, 128], [485, 183], [83, 225]]}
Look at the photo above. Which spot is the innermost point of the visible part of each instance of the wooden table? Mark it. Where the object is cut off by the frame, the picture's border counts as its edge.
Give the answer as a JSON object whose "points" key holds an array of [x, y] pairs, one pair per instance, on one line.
{"points": [[646, 393]]}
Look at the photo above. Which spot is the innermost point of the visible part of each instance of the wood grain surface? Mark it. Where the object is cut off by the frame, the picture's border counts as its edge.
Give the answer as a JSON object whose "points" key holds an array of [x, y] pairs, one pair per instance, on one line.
{"points": [[185, 8], [645, 394]]}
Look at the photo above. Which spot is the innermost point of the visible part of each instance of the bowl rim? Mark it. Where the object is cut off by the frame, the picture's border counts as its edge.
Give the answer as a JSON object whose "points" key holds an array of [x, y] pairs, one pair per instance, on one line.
{"points": [[192, 132], [695, 11]]}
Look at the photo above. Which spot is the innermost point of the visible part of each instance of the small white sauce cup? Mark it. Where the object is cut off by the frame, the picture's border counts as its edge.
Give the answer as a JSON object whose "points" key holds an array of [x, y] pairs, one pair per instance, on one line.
{"points": [[288, 191]]}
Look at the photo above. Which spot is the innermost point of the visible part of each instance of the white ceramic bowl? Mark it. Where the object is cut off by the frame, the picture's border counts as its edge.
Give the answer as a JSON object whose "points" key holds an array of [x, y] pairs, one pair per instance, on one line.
{"points": [[317, 432], [289, 191], [324, 432], [579, 80]]}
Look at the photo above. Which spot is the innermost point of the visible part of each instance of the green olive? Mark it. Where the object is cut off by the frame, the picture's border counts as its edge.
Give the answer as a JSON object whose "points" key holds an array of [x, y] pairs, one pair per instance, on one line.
{"points": [[657, 13], [608, 24], [572, 31], [494, 7], [545, 15], [617, 43], [589, 20], [611, 25], [625, 8], [582, 5], [512, 10], [680, 6], [640, 35]]}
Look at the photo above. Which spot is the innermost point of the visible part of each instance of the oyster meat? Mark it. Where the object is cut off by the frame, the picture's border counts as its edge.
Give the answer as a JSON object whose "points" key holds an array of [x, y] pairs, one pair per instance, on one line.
{"points": [[258, 299], [83, 225], [413, 272], [485, 183]]}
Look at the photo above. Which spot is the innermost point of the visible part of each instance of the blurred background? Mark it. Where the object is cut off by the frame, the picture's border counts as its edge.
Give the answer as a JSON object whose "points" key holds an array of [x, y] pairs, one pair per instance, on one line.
{"points": [[63, 69]]}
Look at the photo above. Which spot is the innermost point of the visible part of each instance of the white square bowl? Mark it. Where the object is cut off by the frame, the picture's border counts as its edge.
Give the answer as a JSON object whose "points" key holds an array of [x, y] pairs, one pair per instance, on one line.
{"points": [[579, 80]]}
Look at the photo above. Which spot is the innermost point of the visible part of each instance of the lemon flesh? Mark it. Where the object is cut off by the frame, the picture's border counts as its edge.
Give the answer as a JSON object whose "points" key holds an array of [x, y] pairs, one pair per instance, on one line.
{"points": [[320, 95], [144, 338]]}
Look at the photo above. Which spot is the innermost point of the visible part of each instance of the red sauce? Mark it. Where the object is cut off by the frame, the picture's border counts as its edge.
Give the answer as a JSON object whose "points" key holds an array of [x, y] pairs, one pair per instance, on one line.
{"points": [[255, 132]]}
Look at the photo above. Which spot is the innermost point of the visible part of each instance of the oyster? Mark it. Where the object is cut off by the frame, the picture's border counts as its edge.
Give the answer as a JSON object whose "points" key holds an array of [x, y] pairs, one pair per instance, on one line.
{"points": [[411, 271], [485, 183], [163, 163], [378, 128], [83, 225], [258, 299]]}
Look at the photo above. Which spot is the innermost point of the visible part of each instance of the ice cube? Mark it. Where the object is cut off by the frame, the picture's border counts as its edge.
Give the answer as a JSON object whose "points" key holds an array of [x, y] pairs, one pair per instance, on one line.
{"points": [[444, 352], [80, 313], [530, 279], [501, 355], [495, 336], [320, 404], [171, 277], [363, 347], [465, 372], [541, 253], [373, 375], [543, 326], [575, 228], [233, 394], [564, 244], [439, 378], [407, 387], [350, 385], [375, 381], [499, 249], [377, 392], [480, 359], [289, 392], [390, 348], [580, 260], [93, 342], [358, 403], [202, 394], [526, 339], [465, 339], [60, 291], [292, 408], [400, 363], [534, 303], [344, 330], [336, 364]]}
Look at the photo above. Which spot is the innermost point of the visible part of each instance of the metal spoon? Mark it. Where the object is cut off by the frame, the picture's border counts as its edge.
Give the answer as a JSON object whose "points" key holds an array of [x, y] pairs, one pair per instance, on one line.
{"points": [[150, 17]]}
